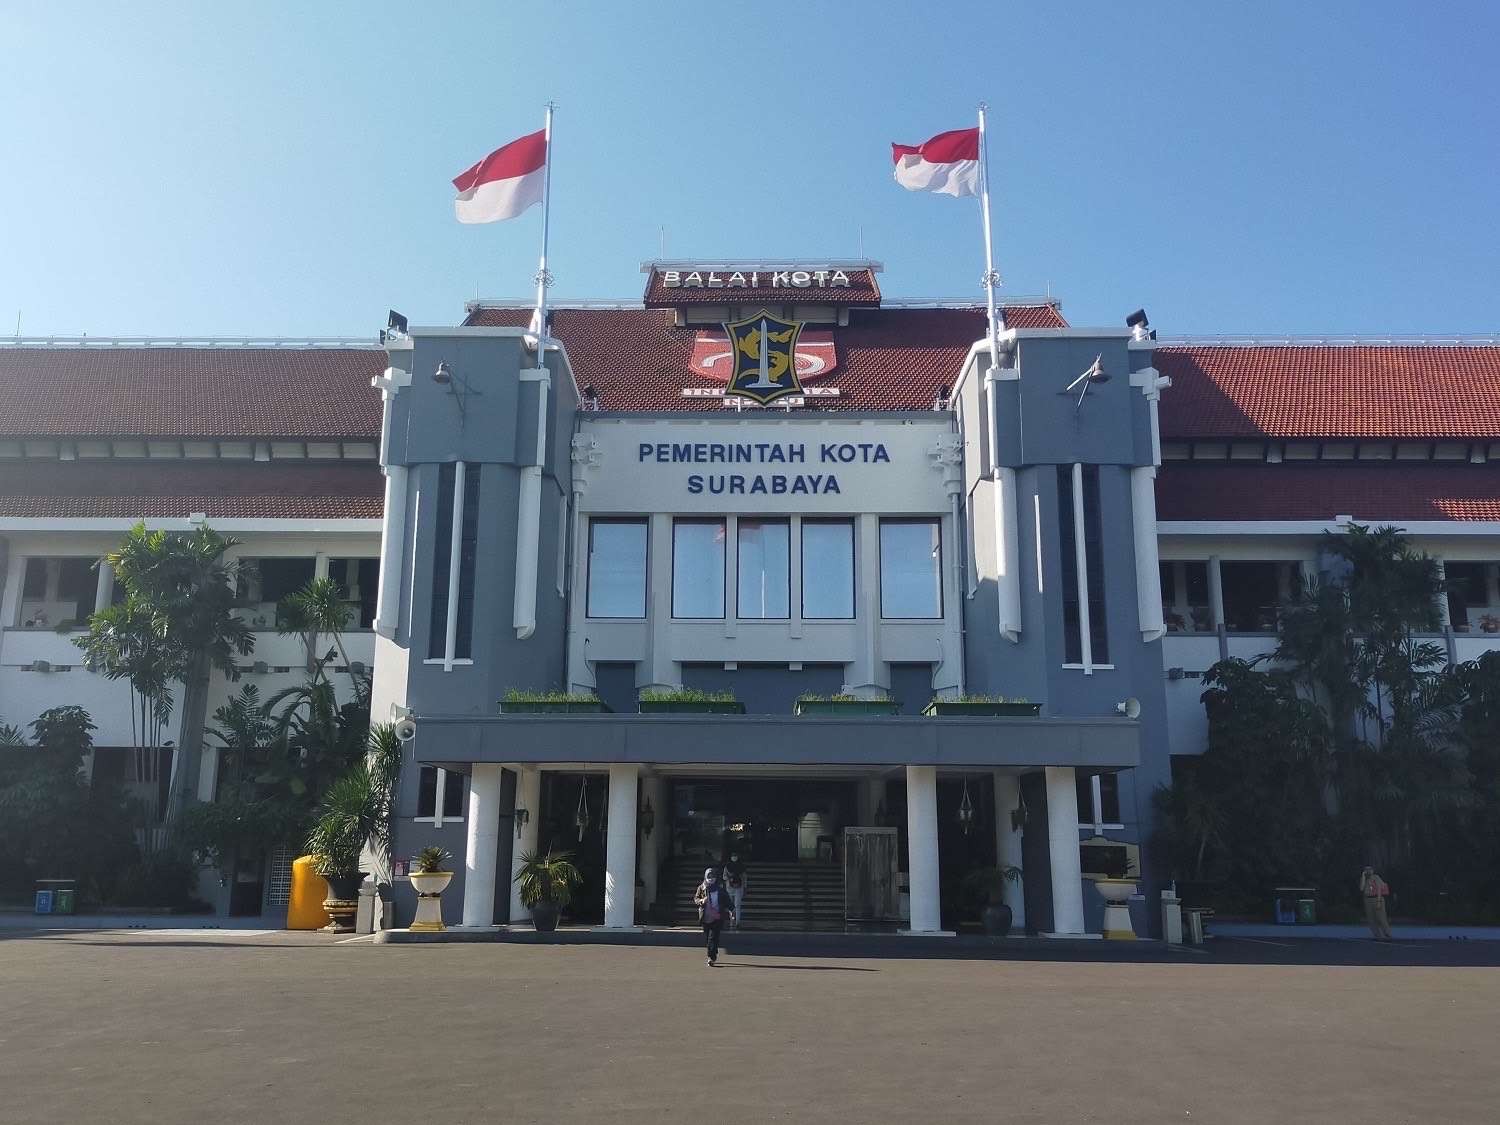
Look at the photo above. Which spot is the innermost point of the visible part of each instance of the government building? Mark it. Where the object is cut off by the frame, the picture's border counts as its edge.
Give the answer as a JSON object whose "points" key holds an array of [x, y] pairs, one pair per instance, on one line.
{"points": [[761, 563]]}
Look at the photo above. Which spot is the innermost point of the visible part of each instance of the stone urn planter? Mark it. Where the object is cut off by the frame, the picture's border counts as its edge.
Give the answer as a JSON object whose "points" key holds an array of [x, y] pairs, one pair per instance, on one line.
{"points": [[342, 902], [1116, 893], [997, 919], [544, 917], [429, 886]]}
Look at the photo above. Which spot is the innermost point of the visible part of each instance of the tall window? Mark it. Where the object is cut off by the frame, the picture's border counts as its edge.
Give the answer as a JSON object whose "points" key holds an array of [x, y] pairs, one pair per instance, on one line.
{"points": [[617, 568], [911, 569], [440, 790], [1082, 592], [57, 591], [765, 558], [461, 495], [827, 570], [358, 581], [1098, 800], [698, 568]]}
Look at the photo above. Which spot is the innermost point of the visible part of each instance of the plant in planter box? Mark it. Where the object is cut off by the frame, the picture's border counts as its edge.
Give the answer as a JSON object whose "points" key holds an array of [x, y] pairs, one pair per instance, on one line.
{"points": [[689, 701], [430, 879], [355, 812], [547, 883], [984, 891], [518, 702], [982, 705], [808, 704]]}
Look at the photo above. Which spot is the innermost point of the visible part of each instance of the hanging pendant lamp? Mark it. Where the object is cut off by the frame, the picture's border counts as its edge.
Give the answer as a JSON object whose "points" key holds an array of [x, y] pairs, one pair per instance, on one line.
{"points": [[581, 817], [966, 810]]}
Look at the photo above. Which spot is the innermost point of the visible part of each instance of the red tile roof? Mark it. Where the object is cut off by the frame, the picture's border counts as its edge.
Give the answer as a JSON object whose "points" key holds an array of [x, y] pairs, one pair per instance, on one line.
{"points": [[1259, 391], [1320, 491], [220, 489], [222, 392], [889, 359], [863, 289]]}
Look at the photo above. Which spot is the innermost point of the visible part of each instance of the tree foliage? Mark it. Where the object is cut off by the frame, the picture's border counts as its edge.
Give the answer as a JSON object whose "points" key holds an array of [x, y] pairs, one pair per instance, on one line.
{"points": [[1353, 742]]}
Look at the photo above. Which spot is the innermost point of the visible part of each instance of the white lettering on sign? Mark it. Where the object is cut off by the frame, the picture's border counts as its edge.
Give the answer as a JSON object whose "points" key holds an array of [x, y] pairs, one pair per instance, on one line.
{"points": [[740, 279]]}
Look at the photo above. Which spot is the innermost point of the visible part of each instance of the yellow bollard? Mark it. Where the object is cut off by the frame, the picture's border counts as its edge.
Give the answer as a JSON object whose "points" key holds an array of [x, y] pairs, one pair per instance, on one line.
{"points": [[304, 910]]}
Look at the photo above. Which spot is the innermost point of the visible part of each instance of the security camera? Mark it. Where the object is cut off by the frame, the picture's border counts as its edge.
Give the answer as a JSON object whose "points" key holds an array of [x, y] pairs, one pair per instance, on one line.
{"points": [[406, 730]]}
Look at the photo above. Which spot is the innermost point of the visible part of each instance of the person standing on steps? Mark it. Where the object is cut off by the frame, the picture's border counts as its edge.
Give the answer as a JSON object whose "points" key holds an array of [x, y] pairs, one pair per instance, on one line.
{"points": [[1374, 889], [734, 879], [714, 907]]}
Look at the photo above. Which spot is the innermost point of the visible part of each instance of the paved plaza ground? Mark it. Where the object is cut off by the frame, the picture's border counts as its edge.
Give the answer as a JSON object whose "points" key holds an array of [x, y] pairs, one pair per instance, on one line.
{"points": [[190, 1025]]}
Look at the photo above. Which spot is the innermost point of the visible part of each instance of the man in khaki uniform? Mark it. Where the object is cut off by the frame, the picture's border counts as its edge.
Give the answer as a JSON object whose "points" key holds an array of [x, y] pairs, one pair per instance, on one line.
{"points": [[1374, 889]]}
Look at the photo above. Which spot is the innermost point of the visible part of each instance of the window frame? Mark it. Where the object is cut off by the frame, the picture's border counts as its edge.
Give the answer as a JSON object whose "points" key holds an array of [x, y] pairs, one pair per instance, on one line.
{"points": [[739, 568], [644, 523], [931, 521], [438, 817], [828, 521], [723, 523]]}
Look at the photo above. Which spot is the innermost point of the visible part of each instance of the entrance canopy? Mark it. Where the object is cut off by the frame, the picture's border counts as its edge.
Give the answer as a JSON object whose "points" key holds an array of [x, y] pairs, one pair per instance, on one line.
{"points": [[947, 742]]}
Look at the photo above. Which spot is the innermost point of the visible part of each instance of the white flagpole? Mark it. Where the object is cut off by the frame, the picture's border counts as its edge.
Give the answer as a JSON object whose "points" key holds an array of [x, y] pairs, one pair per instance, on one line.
{"points": [[543, 278], [991, 276]]}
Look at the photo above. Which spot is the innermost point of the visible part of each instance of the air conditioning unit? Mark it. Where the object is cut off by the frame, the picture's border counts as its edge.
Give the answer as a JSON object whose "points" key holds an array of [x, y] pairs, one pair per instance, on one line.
{"points": [[260, 667], [357, 668], [41, 666]]}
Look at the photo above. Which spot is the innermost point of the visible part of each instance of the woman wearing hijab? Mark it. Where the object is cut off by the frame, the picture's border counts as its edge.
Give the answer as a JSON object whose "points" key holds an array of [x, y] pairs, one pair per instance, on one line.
{"points": [[1374, 889], [715, 906]]}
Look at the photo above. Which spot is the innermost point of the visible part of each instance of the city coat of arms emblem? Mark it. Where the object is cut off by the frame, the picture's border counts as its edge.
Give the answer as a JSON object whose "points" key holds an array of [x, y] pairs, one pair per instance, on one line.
{"points": [[763, 350]]}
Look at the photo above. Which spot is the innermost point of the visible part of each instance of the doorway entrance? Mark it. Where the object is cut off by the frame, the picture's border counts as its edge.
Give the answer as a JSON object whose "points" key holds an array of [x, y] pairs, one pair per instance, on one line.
{"points": [[772, 820]]}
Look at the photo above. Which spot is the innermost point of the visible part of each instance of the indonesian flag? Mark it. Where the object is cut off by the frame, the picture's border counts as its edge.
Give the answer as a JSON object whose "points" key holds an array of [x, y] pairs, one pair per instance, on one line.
{"points": [[948, 164], [504, 183]]}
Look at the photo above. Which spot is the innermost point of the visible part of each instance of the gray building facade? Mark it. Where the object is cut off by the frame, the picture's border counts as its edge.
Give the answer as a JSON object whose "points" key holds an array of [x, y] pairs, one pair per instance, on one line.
{"points": [[997, 542]]}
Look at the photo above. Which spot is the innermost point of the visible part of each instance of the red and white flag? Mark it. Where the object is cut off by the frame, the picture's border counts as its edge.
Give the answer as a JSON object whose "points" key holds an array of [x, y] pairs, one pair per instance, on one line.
{"points": [[504, 183], [948, 164]]}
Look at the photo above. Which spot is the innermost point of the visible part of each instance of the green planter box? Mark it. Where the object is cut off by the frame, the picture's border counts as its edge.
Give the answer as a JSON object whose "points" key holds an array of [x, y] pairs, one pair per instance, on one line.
{"points": [[690, 707], [985, 710], [559, 707], [847, 707]]}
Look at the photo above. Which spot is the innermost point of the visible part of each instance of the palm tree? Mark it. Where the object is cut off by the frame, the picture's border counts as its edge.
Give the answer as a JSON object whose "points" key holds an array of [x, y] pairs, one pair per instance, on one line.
{"points": [[317, 608], [181, 594]]}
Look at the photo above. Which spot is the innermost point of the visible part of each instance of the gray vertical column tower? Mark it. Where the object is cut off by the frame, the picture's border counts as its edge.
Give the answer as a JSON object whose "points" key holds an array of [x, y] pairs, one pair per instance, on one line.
{"points": [[1047, 567], [468, 609]]}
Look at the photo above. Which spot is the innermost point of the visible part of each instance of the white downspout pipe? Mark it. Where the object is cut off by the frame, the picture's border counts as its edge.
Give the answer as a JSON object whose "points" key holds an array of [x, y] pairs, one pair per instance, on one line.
{"points": [[1007, 550], [393, 525], [528, 528]]}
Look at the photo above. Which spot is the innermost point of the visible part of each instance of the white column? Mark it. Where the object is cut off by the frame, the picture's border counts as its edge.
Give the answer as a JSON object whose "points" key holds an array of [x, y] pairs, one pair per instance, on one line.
{"points": [[104, 592], [922, 849], [528, 797], [653, 789], [482, 851], [1062, 846], [1445, 622], [619, 849], [1008, 843], [392, 551], [1147, 560], [1216, 590]]}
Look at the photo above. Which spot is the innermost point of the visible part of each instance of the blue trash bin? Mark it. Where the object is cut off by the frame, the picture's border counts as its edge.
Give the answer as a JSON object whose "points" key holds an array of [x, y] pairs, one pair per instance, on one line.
{"points": [[44, 902]]}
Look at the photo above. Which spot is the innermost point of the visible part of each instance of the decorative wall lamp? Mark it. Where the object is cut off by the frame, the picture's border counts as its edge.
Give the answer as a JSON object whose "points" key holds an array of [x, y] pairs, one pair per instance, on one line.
{"points": [[523, 817], [457, 385], [648, 818], [966, 811]]}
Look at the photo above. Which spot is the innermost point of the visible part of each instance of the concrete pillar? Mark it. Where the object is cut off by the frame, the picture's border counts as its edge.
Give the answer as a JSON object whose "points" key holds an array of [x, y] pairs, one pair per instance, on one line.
{"points": [[104, 592], [1216, 591], [1062, 848], [482, 851], [653, 789], [619, 849], [528, 797], [1008, 843], [922, 849]]}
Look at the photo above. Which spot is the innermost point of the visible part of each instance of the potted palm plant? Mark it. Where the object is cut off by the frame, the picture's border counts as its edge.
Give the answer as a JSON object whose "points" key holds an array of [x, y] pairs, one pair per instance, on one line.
{"points": [[547, 883], [429, 879], [344, 822], [986, 886]]}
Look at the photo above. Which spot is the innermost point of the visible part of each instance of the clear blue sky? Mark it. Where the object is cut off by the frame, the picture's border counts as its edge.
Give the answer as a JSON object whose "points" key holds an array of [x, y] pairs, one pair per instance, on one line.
{"points": [[283, 168]]}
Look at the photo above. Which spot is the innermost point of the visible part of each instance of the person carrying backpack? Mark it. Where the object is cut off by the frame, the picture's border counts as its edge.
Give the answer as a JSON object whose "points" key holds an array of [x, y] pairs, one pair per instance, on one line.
{"points": [[715, 907]]}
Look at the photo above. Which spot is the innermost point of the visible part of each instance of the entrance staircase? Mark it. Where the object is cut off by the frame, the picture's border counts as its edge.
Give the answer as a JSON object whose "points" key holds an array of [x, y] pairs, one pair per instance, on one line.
{"points": [[778, 896]]}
